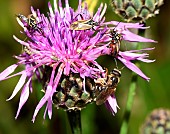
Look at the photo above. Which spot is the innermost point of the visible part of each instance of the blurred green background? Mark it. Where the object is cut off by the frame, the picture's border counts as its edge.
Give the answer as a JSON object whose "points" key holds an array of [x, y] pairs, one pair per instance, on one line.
{"points": [[95, 119]]}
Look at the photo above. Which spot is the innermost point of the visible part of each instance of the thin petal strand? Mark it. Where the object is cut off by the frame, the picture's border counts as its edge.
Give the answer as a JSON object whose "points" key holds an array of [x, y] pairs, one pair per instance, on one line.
{"points": [[18, 86], [134, 68], [8, 71], [111, 104], [24, 97]]}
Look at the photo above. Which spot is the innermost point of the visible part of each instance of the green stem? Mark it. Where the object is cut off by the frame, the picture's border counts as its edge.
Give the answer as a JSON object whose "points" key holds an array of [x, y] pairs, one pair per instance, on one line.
{"points": [[74, 118], [131, 94]]}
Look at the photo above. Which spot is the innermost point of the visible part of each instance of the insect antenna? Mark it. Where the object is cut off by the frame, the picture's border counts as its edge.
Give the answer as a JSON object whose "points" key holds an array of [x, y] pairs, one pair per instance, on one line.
{"points": [[119, 22], [117, 65], [77, 16]]}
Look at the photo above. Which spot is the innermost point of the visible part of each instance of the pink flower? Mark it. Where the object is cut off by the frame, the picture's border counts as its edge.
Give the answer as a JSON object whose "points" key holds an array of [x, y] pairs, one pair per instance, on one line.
{"points": [[53, 44]]}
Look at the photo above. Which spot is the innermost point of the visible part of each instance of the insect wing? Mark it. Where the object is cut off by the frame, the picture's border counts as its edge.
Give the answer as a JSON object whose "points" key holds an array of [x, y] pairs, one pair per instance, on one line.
{"points": [[102, 97], [83, 24], [109, 87], [80, 25]]}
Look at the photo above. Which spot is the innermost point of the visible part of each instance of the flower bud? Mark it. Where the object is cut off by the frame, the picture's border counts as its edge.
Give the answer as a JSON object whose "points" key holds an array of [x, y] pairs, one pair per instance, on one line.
{"points": [[158, 122], [136, 10]]}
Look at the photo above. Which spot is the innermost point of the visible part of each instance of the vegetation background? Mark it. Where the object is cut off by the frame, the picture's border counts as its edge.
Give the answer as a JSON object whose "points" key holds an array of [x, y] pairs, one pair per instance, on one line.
{"points": [[95, 119]]}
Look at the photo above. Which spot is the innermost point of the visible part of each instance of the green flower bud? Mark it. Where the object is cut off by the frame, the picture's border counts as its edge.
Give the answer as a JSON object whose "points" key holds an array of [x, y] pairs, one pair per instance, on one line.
{"points": [[158, 122], [136, 10]]}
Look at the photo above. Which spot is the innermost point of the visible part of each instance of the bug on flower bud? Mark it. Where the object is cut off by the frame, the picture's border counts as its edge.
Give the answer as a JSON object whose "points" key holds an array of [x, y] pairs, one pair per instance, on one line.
{"points": [[106, 86]]}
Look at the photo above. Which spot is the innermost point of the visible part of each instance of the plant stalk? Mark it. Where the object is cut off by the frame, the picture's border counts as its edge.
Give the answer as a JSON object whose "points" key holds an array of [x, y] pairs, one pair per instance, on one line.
{"points": [[74, 118]]}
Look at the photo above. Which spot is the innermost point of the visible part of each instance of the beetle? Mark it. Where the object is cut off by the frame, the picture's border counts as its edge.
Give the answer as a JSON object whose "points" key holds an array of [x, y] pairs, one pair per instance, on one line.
{"points": [[115, 43]]}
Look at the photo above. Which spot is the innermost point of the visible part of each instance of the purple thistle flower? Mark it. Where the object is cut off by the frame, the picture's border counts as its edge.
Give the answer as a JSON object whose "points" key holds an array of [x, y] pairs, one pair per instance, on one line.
{"points": [[52, 43]]}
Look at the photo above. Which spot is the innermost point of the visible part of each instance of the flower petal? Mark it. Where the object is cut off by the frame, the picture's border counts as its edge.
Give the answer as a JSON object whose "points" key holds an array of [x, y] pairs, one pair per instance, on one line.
{"points": [[42, 102], [8, 71], [49, 109], [146, 60], [134, 68], [129, 36], [19, 85], [24, 97], [111, 104]]}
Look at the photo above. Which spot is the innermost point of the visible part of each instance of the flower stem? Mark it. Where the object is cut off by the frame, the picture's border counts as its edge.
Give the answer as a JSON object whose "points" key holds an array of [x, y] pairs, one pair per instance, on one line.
{"points": [[74, 118], [131, 93]]}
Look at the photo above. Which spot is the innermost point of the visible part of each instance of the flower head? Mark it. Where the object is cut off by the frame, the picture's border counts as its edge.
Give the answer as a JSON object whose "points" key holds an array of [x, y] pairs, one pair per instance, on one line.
{"points": [[66, 51]]}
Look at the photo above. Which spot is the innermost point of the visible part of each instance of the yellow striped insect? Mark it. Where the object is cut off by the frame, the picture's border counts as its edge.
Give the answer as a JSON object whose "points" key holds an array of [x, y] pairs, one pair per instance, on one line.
{"points": [[106, 86], [31, 21]]}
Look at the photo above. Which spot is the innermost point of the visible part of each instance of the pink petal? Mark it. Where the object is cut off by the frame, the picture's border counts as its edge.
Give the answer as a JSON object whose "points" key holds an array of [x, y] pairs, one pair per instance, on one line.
{"points": [[49, 108], [103, 11], [20, 41], [24, 97], [112, 104], [129, 36], [131, 56], [135, 56], [50, 9], [146, 60], [55, 6], [19, 85], [42, 101], [49, 92], [67, 68], [133, 67], [8, 71], [45, 112], [127, 25]]}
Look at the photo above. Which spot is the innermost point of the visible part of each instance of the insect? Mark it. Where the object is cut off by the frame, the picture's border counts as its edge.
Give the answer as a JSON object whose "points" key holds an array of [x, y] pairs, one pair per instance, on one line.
{"points": [[106, 86], [83, 24], [30, 22], [115, 43], [26, 50]]}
